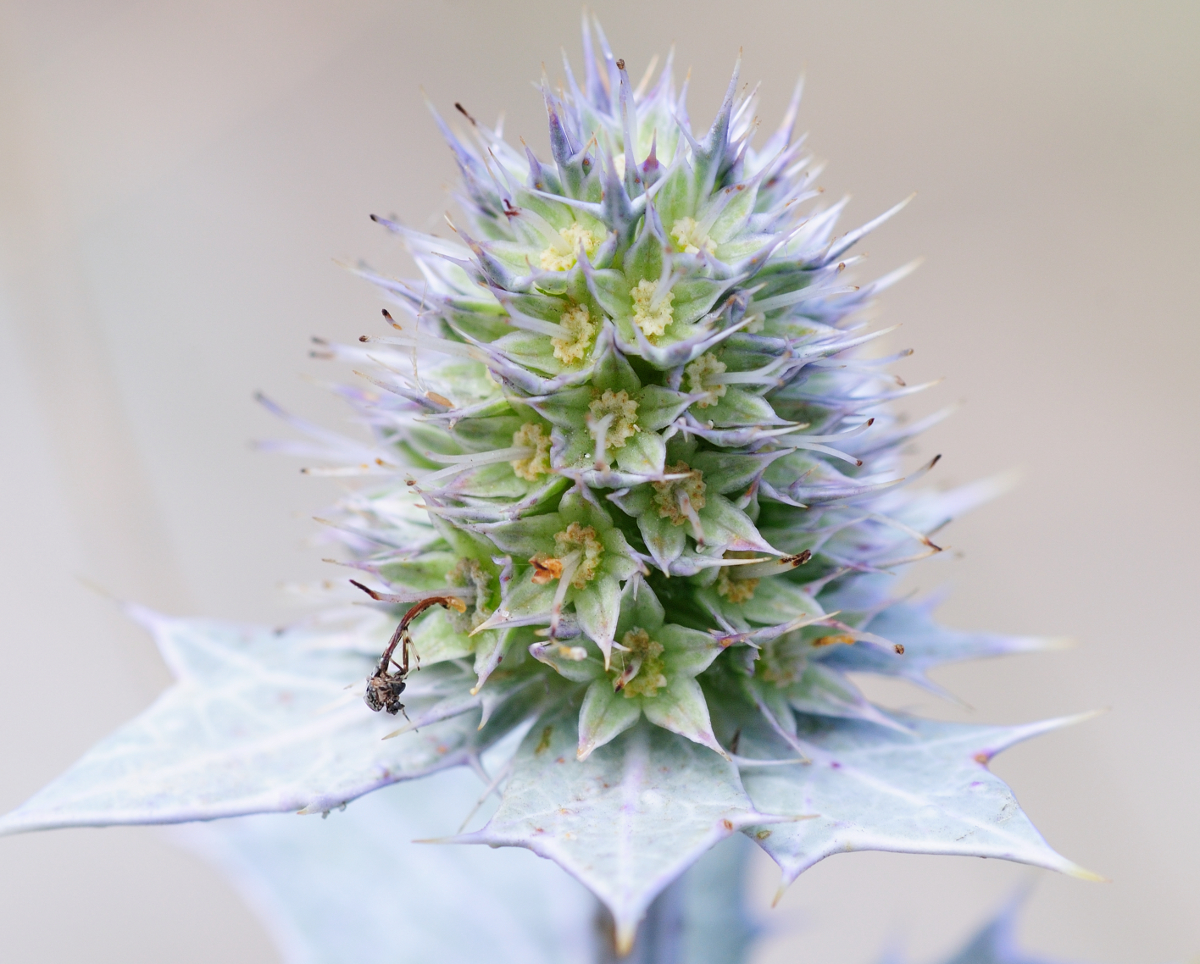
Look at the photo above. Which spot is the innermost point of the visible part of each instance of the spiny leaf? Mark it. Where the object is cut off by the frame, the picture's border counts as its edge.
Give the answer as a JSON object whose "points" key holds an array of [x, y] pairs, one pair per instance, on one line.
{"points": [[627, 820], [258, 721], [927, 791]]}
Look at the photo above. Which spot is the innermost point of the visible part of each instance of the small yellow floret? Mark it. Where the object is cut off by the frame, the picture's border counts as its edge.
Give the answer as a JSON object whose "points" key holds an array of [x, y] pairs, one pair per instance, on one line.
{"points": [[623, 409], [577, 540], [698, 373], [581, 329], [666, 493], [639, 671], [736, 590], [562, 257], [652, 319], [733, 588], [531, 435], [689, 238]]}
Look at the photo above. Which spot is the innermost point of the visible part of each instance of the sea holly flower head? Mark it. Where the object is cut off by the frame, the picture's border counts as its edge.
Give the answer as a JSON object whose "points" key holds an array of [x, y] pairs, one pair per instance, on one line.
{"points": [[634, 497]]}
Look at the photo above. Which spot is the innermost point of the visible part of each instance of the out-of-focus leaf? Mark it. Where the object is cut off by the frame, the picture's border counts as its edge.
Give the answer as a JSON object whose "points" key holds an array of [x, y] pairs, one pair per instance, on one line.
{"points": [[994, 943], [355, 888], [926, 644]]}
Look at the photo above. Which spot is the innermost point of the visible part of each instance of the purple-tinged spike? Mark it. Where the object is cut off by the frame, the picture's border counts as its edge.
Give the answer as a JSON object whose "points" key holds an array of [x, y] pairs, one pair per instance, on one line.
{"points": [[783, 134], [609, 77], [710, 156], [629, 129], [650, 165], [596, 93], [680, 110], [662, 89]]}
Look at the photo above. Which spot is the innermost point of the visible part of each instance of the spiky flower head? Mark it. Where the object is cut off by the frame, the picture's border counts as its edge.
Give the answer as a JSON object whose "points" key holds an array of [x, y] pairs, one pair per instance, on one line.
{"points": [[634, 488]]}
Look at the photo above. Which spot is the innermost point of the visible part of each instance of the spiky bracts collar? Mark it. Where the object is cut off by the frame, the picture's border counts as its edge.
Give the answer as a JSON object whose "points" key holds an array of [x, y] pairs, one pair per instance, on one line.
{"points": [[634, 488]]}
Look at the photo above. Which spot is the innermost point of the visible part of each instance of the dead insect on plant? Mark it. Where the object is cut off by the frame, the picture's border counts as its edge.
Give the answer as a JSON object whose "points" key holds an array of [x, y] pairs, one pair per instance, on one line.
{"points": [[384, 686]]}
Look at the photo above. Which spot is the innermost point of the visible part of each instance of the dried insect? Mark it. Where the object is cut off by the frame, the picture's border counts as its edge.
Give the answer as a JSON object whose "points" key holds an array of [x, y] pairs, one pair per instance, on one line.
{"points": [[384, 686]]}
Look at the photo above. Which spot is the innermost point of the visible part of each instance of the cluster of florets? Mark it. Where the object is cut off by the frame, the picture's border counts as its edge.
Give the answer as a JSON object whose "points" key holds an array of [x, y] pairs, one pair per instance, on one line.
{"points": [[631, 381]]}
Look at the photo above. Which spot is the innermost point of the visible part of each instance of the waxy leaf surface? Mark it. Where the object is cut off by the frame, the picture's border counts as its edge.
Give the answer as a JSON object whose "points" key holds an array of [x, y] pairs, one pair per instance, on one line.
{"points": [[627, 820], [925, 791], [257, 721]]}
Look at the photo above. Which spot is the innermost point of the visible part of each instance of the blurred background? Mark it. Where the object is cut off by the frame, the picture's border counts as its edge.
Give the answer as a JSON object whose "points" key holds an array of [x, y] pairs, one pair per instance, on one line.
{"points": [[176, 180]]}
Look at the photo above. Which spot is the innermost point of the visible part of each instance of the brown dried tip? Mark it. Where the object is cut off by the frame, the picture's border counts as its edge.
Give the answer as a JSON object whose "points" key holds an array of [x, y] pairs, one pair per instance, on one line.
{"points": [[370, 592], [899, 649], [620, 64], [462, 110], [363, 338]]}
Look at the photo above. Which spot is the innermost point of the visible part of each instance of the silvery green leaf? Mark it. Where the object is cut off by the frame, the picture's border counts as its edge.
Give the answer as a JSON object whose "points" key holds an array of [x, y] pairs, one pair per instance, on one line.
{"points": [[775, 602], [257, 721], [525, 537], [871, 788], [688, 652], [626, 821], [566, 409], [356, 888], [613, 371]]}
